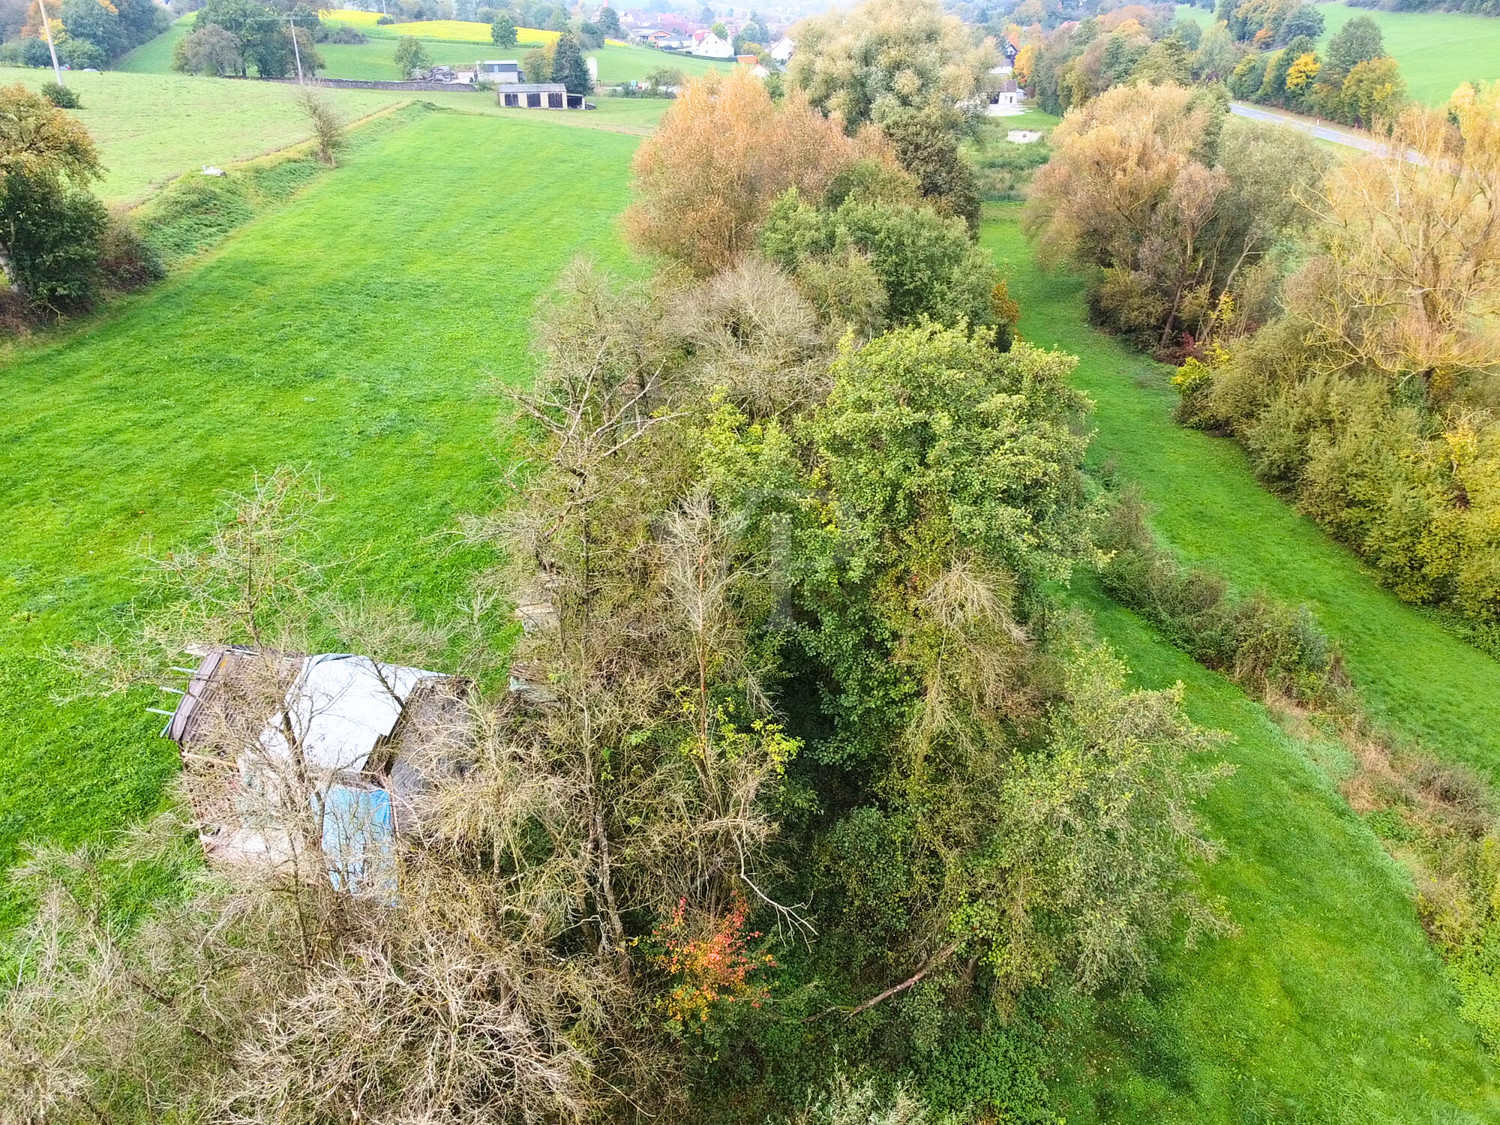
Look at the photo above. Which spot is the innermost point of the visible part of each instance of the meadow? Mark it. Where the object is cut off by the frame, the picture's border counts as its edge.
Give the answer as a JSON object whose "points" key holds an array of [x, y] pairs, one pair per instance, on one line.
{"points": [[317, 336], [151, 128], [1437, 50], [1329, 1005], [448, 43]]}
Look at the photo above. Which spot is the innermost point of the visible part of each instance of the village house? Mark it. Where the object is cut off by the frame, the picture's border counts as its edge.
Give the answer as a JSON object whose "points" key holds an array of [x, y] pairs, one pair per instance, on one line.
{"points": [[709, 46], [782, 50], [497, 70]]}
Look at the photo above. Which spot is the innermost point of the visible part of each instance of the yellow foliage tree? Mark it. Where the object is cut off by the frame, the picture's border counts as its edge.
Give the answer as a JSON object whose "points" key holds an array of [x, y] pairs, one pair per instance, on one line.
{"points": [[707, 177], [1302, 71]]}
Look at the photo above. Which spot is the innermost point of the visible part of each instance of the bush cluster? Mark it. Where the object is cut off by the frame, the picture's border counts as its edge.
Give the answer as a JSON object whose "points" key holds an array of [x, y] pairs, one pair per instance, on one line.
{"points": [[1260, 642]]}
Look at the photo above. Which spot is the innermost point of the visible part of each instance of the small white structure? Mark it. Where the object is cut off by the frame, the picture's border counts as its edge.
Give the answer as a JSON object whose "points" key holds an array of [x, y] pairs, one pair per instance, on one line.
{"points": [[497, 71], [783, 49], [1023, 136], [1007, 101], [712, 47]]}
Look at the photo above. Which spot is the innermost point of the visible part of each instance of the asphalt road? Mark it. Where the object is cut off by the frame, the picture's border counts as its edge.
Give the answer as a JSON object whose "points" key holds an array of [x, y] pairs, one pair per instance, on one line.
{"points": [[1322, 132]]}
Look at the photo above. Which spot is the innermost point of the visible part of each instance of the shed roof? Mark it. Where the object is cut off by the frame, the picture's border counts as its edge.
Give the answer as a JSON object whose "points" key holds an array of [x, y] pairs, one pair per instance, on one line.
{"points": [[534, 88]]}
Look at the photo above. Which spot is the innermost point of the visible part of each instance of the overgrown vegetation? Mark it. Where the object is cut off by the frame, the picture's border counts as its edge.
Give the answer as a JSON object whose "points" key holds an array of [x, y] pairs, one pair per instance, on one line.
{"points": [[1369, 397], [59, 247], [1176, 213], [795, 582]]}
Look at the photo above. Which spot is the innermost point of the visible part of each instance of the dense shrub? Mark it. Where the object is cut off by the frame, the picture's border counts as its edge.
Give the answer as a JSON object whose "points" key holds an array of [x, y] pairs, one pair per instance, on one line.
{"points": [[64, 97], [1257, 640], [126, 260], [55, 237]]}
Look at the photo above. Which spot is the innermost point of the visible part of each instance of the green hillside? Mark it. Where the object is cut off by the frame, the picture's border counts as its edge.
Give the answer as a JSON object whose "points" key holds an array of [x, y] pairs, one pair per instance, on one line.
{"points": [[359, 331], [374, 61], [1436, 50], [1331, 966]]}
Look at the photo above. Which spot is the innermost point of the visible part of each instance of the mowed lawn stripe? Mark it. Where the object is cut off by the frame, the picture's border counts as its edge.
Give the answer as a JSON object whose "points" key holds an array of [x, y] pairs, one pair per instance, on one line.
{"points": [[359, 331]]}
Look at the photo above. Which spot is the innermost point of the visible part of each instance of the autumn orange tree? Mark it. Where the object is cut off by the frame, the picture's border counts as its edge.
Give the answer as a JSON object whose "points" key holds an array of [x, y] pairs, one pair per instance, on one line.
{"points": [[707, 177]]}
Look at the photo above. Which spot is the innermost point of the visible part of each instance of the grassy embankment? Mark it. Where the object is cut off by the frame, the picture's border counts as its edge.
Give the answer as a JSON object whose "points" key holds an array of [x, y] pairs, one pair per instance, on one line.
{"points": [[356, 331], [1329, 1006]]}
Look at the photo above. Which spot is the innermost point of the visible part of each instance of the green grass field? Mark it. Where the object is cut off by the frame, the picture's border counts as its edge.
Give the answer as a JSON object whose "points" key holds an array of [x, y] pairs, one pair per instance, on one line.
{"points": [[1330, 1006], [1437, 50], [151, 128], [1414, 676], [375, 60], [358, 330]]}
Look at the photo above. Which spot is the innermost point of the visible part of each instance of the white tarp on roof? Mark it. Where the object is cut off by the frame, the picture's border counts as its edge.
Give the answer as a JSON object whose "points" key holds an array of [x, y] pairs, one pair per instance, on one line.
{"points": [[339, 707]]}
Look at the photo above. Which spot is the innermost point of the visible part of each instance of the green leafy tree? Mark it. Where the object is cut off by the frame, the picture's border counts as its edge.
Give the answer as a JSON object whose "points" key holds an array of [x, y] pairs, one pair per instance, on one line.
{"points": [[569, 67], [51, 227], [536, 65], [411, 54], [609, 23], [923, 264], [926, 144], [503, 30], [209, 50], [1359, 40], [886, 55]]}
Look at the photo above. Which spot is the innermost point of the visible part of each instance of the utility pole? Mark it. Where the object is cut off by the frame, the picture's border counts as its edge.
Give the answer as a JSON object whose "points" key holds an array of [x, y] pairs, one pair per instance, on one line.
{"points": [[51, 46], [296, 52]]}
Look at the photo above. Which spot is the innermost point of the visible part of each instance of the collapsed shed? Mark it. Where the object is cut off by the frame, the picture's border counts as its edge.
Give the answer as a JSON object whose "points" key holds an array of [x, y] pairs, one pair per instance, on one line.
{"points": [[331, 750]]}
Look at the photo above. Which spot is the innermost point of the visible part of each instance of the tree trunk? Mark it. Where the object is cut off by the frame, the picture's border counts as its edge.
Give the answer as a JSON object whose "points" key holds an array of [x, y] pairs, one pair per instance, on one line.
{"points": [[8, 266]]}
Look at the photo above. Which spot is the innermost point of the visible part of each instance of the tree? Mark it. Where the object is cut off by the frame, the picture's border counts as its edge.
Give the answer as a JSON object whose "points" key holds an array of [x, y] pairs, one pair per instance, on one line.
{"points": [[209, 50], [50, 226], [1306, 20], [885, 55], [327, 126], [411, 54], [265, 42], [1359, 40], [925, 266], [609, 22], [1142, 188], [503, 30], [569, 66], [536, 64], [926, 146], [1373, 92], [706, 179]]}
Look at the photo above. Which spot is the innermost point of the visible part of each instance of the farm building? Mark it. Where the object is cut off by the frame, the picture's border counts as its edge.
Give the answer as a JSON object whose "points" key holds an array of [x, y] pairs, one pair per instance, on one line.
{"points": [[539, 95], [499, 71], [334, 750], [1007, 100]]}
